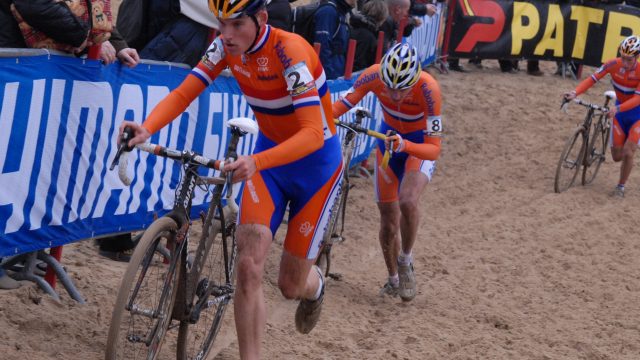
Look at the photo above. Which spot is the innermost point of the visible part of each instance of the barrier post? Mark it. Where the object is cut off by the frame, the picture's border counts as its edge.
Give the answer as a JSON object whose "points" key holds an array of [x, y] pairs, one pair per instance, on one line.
{"points": [[351, 53], [401, 26], [50, 276], [380, 46]]}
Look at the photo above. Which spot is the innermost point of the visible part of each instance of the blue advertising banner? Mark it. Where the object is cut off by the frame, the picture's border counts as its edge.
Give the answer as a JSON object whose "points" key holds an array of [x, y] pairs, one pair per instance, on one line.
{"points": [[60, 117]]}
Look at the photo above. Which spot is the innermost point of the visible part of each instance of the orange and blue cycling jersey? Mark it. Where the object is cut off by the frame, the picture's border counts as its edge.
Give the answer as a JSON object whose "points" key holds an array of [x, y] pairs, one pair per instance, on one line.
{"points": [[297, 154], [627, 87], [417, 118]]}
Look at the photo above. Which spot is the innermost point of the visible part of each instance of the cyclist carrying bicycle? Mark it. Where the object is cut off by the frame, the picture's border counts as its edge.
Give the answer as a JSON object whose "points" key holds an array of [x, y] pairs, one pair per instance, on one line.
{"points": [[410, 100], [625, 78], [296, 162]]}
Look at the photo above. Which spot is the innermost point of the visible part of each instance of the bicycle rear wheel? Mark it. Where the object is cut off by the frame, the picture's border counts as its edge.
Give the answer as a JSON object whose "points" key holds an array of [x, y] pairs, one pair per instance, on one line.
{"points": [[570, 160], [142, 312], [596, 149], [214, 263]]}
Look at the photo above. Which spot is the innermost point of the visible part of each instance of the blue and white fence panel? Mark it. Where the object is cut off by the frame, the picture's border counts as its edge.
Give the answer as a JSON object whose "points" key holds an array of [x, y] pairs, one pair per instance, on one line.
{"points": [[60, 116]]}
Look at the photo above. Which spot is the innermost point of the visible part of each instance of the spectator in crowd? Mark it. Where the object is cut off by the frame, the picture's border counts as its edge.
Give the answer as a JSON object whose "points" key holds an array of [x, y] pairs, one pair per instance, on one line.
{"points": [[6, 282], [364, 29], [116, 48], [533, 68], [279, 14], [454, 65], [161, 30], [50, 17], [332, 33], [400, 10]]}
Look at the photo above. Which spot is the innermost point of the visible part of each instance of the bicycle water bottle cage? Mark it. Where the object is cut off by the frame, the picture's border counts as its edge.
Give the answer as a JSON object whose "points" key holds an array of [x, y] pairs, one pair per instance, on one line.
{"points": [[244, 125]]}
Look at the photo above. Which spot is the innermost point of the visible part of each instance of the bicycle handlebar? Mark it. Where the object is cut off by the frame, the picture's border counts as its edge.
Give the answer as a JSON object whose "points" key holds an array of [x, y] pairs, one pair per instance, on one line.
{"points": [[360, 129], [164, 152], [565, 104]]}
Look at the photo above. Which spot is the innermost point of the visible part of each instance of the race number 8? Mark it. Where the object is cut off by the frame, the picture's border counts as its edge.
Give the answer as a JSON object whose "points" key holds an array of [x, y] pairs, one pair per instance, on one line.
{"points": [[434, 125]]}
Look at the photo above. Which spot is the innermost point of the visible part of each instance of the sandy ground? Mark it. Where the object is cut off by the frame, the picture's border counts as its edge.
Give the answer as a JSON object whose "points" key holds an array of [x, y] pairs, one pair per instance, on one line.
{"points": [[506, 268]]}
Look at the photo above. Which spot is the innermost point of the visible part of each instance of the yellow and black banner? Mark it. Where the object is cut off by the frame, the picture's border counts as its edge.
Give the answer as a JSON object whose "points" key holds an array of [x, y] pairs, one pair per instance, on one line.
{"points": [[588, 32]]}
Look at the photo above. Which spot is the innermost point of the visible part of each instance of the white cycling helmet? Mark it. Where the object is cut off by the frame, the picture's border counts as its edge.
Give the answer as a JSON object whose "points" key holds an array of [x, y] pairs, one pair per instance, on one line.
{"points": [[630, 46], [400, 68]]}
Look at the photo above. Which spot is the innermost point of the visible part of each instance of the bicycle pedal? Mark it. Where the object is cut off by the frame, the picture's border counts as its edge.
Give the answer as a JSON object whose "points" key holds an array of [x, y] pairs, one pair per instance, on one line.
{"points": [[203, 284], [336, 238]]}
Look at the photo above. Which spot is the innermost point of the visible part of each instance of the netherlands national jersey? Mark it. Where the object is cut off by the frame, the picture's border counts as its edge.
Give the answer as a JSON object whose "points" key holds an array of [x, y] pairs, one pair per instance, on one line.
{"points": [[283, 82], [419, 111], [625, 83]]}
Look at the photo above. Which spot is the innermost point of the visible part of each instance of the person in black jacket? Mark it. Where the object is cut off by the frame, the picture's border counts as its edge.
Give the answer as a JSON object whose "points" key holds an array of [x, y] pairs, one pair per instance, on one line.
{"points": [[52, 18], [160, 30], [364, 29], [279, 14]]}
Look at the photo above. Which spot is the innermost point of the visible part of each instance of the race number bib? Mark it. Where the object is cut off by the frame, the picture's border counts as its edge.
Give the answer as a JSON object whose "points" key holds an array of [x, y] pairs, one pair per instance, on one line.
{"points": [[214, 54], [299, 79], [434, 126]]}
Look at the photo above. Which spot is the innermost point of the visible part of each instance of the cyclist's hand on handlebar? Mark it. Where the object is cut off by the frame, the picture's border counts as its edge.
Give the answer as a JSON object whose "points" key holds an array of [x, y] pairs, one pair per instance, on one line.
{"points": [[243, 168], [568, 96], [140, 134], [612, 112], [394, 142]]}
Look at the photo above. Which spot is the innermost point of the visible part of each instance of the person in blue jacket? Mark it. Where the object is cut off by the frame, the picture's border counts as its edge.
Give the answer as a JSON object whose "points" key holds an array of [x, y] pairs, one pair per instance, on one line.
{"points": [[332, 33]]}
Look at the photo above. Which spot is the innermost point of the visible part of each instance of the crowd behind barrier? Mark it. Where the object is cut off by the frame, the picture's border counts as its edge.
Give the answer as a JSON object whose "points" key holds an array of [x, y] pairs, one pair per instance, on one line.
{"points": [[69, 109]]}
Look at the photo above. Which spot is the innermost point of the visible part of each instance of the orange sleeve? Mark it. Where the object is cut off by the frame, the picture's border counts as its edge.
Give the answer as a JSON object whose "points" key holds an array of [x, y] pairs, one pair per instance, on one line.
{"points": [[599, 74], [174, 104], [360, 89], [307, 140], [429, 150], [199, 78], [633, 102]]}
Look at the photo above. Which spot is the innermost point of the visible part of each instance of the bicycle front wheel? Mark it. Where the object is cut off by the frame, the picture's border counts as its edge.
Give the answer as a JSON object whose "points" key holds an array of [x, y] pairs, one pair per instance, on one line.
{"points": [[596, 149], [214, 271], [570, 160], [142, 312]]}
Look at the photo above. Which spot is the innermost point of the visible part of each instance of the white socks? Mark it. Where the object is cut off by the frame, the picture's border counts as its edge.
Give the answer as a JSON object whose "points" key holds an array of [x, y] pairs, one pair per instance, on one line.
{"points": [[394, 280], [404, 259], [321, 284]]}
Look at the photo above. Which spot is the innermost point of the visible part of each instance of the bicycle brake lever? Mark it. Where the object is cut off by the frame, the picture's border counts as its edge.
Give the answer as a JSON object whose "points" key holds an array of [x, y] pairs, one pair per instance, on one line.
{"points": [[127, 134], [565, 105]]}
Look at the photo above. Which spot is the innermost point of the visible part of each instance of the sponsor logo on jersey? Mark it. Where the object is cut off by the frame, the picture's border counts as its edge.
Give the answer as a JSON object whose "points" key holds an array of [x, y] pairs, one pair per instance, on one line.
{"points": [[268, 77], [241, 70], [263, 61], [284, 59]]}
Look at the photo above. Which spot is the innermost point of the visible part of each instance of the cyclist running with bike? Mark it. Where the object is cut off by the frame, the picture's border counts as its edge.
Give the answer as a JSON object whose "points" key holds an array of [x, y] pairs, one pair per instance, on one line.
{"points": [[296, 161], [410, 100], [625, 78]]}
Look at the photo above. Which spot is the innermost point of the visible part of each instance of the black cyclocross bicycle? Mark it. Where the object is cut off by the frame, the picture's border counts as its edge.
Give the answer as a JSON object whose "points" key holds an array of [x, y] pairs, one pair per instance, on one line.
{"points": [[171, 283]]}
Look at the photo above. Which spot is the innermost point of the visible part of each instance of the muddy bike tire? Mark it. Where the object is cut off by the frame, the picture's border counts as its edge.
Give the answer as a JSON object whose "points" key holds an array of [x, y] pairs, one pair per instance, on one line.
{"points": [[195, 340], [570, 160], [146, 267], [596, 151]]}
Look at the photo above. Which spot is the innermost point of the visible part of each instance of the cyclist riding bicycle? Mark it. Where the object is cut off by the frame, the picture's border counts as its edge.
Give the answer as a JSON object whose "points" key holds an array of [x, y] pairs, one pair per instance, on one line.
{"points": [[625, 78], [410, 100], [296, 160]]}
